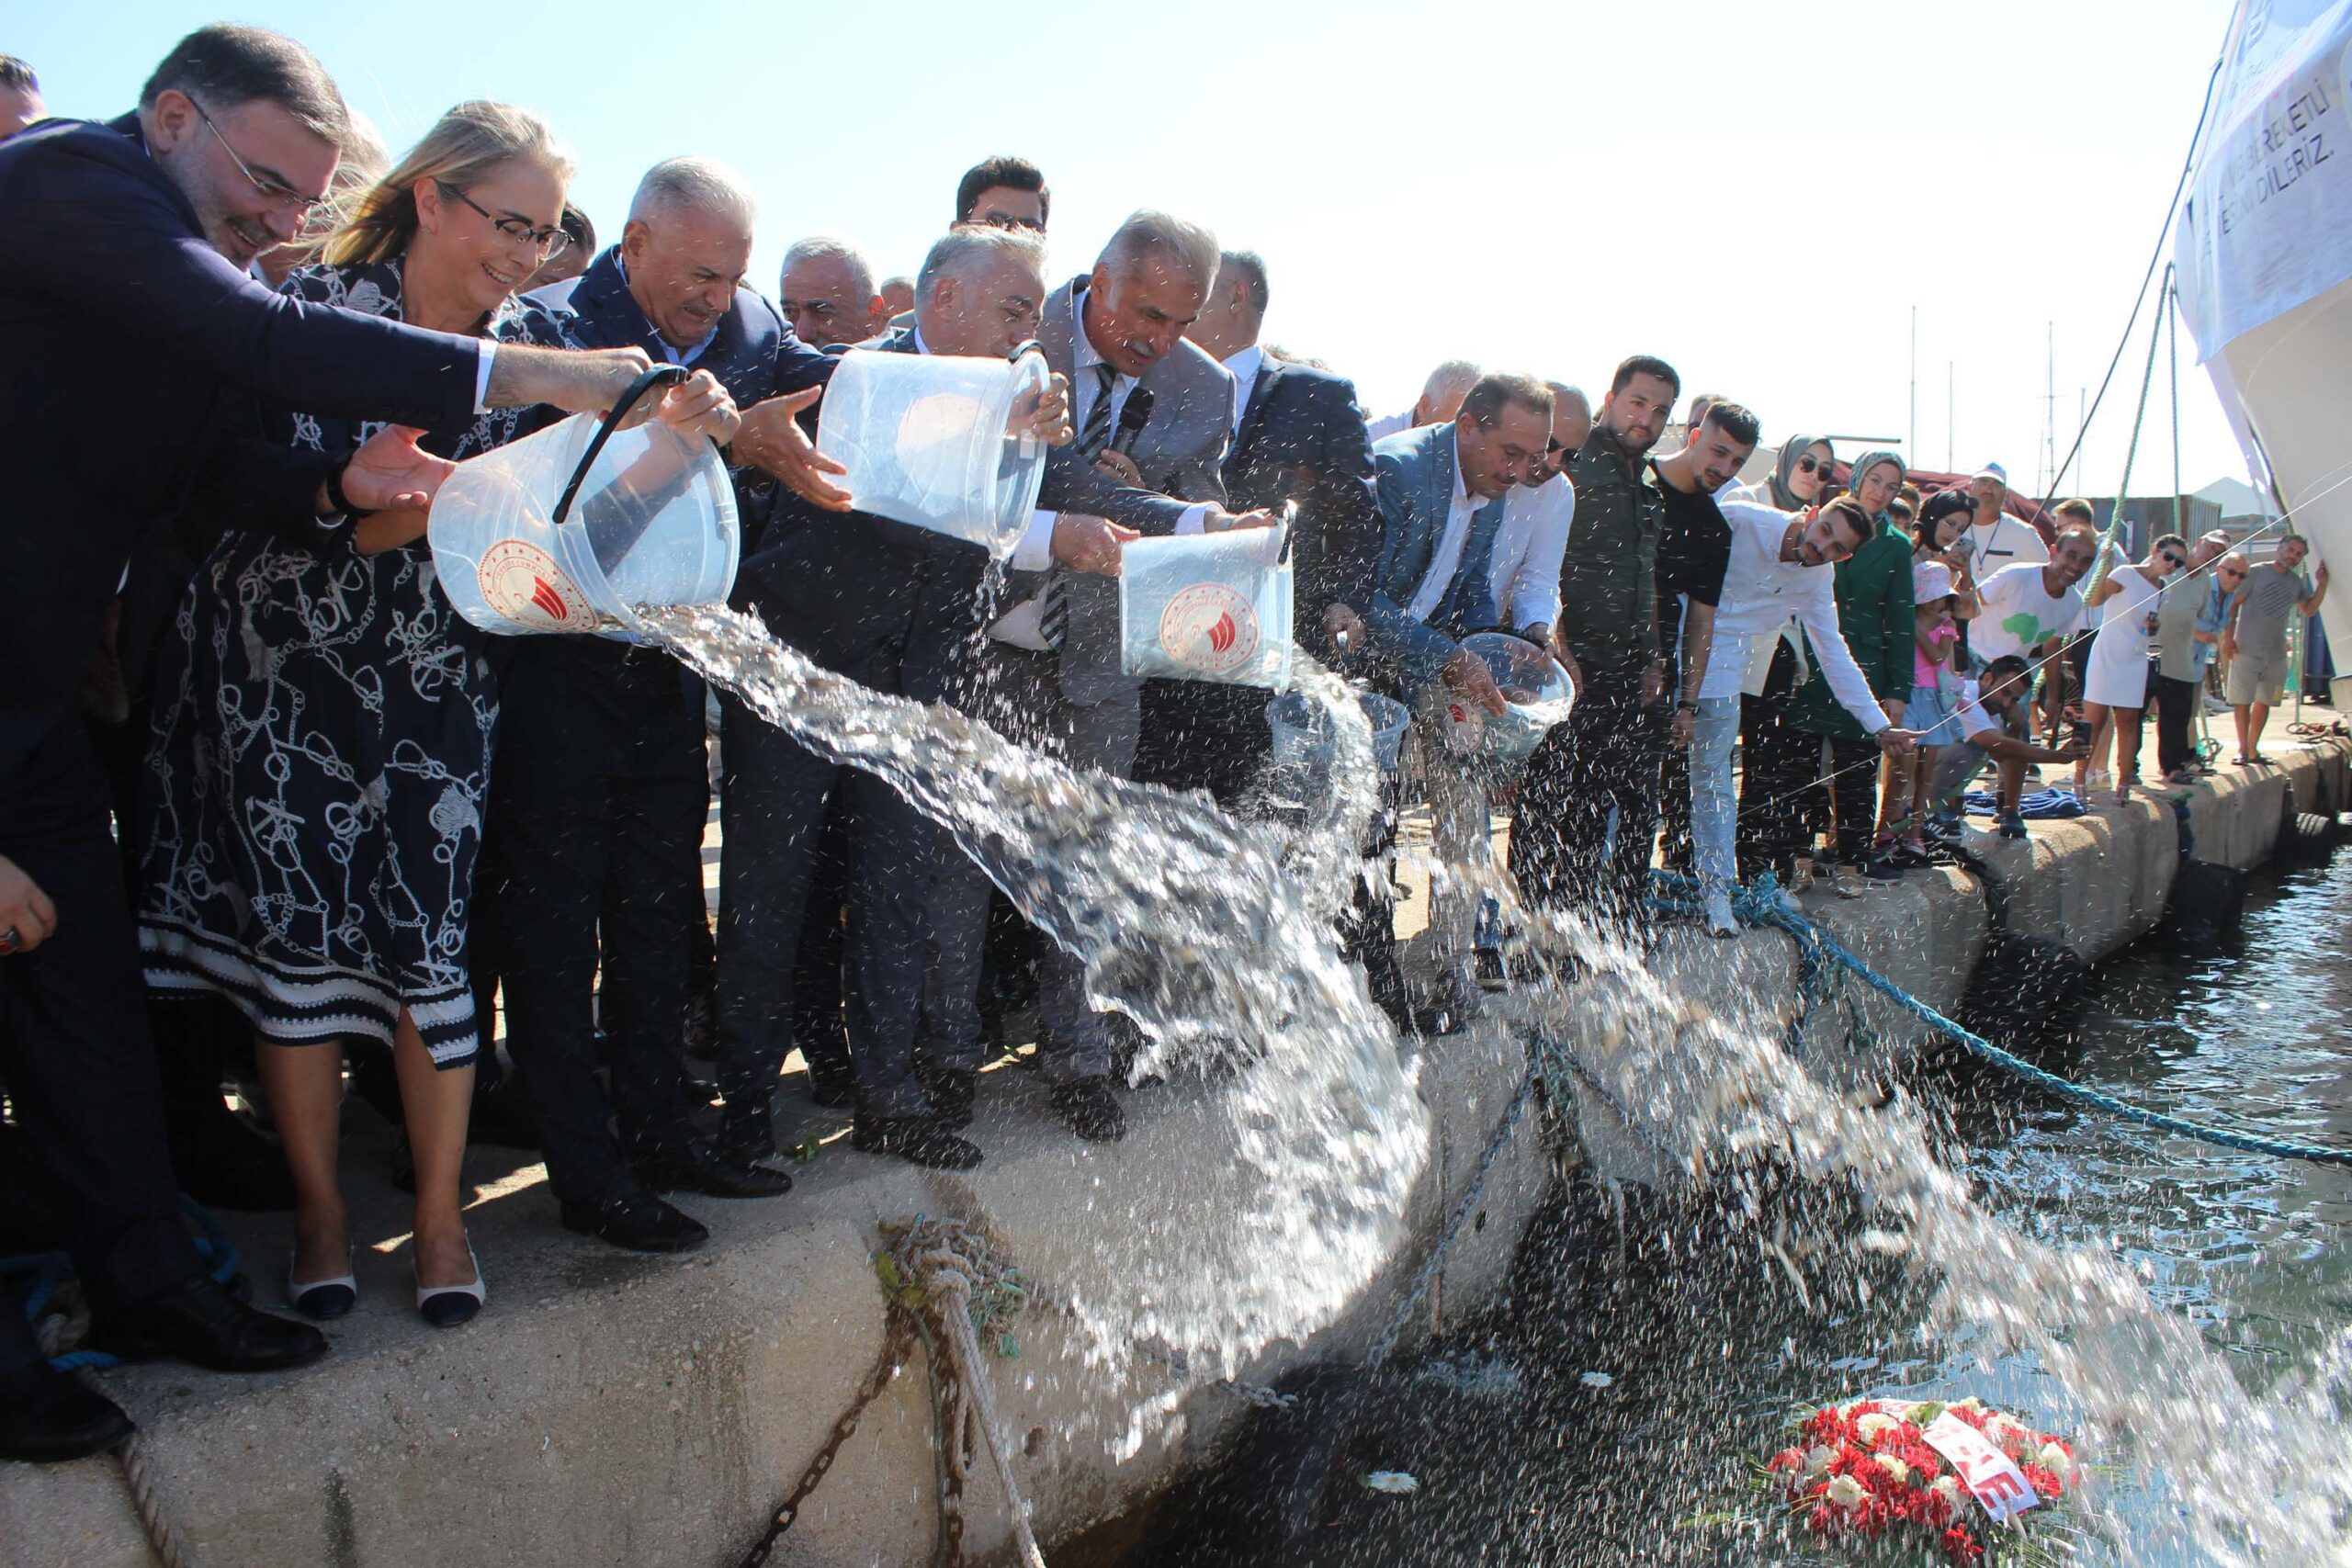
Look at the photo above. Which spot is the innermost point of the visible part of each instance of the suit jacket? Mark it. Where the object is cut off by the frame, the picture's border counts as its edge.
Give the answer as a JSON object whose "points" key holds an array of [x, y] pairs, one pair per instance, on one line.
{"points": [[1415, 483], [1180, 453], [1302, 439], [897, 607], [135, 354], [756, 356]]}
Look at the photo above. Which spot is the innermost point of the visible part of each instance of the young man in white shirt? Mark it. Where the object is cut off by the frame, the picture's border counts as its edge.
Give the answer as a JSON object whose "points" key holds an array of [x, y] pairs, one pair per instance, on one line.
{"points": [[1783, 565], [2031, 609]]}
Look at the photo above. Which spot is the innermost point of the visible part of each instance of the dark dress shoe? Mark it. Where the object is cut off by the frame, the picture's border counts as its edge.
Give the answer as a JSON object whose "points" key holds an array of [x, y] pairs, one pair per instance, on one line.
{"points": [[46, 1417], [922, 1140], [205, 1326], [951, 1091], [1091, 1111], [694, 1165], [636, 1219], [835, 1091]]}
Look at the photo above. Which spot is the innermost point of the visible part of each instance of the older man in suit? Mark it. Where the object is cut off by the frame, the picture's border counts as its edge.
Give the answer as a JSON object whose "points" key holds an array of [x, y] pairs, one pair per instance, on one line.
{"points": [[600, 788], [1053, 668], [1297, 437], [1445, 493], [896, 608], [124, 289]]}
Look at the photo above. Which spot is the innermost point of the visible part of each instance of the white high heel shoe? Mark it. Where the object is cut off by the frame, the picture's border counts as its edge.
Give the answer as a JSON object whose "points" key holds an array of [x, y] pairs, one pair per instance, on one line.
{"points": [[453, 1307], [324, 1299]]}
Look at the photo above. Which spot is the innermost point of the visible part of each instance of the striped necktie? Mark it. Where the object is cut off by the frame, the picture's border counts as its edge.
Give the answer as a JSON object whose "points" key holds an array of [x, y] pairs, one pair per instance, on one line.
{"points": [[1053, 610]]}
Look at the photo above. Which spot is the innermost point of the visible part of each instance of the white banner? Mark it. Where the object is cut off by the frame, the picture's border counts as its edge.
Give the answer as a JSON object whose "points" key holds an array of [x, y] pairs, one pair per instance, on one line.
{"points": [[2267, 222], [1988, 1473]]}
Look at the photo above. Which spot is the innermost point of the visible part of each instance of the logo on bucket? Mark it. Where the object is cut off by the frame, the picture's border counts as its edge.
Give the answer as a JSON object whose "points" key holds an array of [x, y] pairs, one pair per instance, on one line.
{"points": [[523, 583], [1209, 627]]}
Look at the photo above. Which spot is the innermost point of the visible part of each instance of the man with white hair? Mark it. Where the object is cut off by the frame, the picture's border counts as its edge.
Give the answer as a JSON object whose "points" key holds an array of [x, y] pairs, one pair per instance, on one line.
{"points": [[828, 294], [1441, 400], [894, 608], [600, 786]]}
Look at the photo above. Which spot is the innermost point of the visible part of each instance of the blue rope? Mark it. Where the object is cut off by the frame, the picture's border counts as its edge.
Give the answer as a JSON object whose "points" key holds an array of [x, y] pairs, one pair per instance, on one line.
{"points": [[49, 1270], [1766, 904]]}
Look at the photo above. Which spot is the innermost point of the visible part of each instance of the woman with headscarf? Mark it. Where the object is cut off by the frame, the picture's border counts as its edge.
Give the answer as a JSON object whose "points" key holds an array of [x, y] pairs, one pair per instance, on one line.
{"points": [[1874, 615], [1780, 762]]}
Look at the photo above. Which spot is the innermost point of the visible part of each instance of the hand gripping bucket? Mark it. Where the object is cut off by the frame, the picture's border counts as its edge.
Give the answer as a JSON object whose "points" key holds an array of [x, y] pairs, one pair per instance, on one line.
{"points": [[927, 439], [1303, 741], [1207, 607], [1537, 694], [566, 530]]}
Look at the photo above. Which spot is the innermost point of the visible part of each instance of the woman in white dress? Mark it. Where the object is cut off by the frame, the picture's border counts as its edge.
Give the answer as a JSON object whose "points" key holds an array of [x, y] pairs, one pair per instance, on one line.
{"points": [[2116, 687]]}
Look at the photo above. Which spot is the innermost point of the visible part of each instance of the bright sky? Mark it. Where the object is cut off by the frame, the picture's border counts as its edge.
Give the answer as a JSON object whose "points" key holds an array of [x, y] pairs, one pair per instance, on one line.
{"points": [[1759, 193]]}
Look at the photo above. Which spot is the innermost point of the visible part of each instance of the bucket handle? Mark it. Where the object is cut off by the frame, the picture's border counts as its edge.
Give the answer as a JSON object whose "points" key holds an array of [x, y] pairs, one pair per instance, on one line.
{"points": [[659, 376], [1021, 352]]}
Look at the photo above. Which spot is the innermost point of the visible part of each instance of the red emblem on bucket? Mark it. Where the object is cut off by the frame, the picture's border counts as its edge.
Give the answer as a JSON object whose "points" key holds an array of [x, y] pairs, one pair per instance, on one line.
{"points": [[1209, 627], [521, 583]]}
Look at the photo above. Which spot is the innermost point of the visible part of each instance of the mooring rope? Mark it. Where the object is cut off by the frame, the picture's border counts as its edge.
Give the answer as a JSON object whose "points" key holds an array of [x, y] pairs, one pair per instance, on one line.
{"points": [[1766, 904]]}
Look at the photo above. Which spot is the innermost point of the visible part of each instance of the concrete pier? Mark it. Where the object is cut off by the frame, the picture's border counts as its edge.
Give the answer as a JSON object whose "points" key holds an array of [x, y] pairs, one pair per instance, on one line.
{"points": [[610, 1408]]}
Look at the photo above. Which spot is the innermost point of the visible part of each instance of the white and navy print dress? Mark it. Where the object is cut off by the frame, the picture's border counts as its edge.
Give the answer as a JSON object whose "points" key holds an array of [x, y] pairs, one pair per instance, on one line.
{"points": [[314, 794]]}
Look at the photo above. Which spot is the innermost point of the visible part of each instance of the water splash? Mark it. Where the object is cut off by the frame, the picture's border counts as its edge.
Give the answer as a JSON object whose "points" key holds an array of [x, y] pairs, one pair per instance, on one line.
{"points": [[1216, 935]]}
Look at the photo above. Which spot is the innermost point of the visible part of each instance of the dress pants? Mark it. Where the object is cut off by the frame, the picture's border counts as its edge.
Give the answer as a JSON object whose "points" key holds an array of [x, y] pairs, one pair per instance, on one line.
{"points": [[1779, 767], [76, 1049], [772, 814], [1852, 788], [1564, 848], [1202, 735], [2176, 708], [598, 797], [819, 1026], [1021, 698]]}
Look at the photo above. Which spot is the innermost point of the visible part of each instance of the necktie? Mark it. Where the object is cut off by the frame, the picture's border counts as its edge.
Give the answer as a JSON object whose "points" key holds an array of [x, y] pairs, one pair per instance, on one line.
{"points": [[1053, 610]]}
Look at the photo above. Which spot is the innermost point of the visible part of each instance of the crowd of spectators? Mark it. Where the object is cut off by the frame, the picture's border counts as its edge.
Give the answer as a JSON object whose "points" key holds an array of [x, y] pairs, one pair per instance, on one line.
{"points": [[253, 761]]}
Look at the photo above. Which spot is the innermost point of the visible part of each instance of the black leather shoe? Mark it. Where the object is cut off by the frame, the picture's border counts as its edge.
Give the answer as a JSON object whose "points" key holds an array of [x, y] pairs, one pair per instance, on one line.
{"points": [[46, 1417], [1091, 1111], [833, 1091], [636, 1219], [694, 1165], [951, 1091], [920, 1140], [203, 1325]]}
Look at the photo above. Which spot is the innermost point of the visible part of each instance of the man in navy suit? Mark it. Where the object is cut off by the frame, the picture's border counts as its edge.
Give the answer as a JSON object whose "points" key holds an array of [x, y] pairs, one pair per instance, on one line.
{"points": [[896, 608], [600, 786], [1444, 491], [1297, 437], [136, 343]]}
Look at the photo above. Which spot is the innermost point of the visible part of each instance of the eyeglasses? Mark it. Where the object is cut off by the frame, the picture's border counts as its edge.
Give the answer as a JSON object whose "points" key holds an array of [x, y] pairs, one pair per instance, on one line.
{"points": [[1033, 225], [548, 240], [277, 191], [2172, 560], [2231, 573]]}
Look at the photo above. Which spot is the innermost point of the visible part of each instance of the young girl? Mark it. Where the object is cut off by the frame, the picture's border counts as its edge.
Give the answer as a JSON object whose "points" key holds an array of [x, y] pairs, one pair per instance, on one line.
{"points": [[1934, 709]]}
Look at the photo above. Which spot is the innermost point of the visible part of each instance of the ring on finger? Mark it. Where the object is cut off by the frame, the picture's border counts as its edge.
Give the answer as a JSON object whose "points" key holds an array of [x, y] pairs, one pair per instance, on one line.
{"points": [[8, 940]]}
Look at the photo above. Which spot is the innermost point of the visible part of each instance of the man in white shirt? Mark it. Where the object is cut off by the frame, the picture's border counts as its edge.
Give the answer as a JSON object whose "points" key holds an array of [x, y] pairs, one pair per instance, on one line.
{"points": [[1995, 538], [1441, 400], [2032, 609], [1781, 567]]}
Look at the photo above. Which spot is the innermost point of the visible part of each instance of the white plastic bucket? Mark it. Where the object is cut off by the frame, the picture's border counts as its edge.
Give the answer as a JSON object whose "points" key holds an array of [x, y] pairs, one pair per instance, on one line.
{"points": [[566, 530], [924, 438], [1207, 607], [1537, 694], [1303, 733]]}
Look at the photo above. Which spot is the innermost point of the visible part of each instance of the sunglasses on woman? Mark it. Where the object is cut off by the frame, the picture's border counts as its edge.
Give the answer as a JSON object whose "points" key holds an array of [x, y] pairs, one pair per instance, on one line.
{"points": [[2172, 560], [1809, 464]]}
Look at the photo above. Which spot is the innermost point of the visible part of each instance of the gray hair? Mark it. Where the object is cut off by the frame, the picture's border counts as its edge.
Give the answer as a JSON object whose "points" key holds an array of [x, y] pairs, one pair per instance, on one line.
{"points": [[1455, 377], [824, 247], [1188, 247], [1562, 393], [965, 249], [676, 185], [1250, 266]]}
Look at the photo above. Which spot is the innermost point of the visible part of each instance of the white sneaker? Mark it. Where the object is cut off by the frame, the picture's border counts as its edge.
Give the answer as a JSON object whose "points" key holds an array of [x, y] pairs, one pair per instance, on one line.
{"points": [[1721, 921]]}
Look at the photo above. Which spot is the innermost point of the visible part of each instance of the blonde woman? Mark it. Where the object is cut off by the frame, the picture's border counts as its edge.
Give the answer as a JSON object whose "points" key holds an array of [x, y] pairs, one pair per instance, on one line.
{"points": [[312, 810]]}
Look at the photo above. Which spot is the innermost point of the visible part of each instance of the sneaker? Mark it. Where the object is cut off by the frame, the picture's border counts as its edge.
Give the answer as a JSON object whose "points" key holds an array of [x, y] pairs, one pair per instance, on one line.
{"points": [[1721, 921], [1091, 1110], [1844, 881], [1878, 868], [2012, 826]]}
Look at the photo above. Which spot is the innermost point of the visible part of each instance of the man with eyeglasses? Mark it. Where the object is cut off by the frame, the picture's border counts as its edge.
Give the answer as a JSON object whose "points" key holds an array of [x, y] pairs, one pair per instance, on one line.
{"points": [[137, 345], [1004, 193]]}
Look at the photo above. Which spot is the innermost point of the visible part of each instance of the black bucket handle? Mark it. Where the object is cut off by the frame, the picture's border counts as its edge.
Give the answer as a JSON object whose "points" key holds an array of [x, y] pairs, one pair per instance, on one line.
{"points": [[659, 376]]}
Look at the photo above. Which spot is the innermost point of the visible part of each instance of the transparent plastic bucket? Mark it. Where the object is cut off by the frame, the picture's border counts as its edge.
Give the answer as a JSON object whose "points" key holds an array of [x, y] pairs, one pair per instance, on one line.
{"points": [[924, 438], [1302, 734], [1207, 607], [1537, 694], [564, 531]]}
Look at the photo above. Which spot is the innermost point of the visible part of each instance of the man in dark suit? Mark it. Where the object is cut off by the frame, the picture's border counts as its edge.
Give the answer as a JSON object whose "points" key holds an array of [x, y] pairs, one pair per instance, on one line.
{"points": [[895, 608], [1298, 436], [600, 786], [136, 344]]}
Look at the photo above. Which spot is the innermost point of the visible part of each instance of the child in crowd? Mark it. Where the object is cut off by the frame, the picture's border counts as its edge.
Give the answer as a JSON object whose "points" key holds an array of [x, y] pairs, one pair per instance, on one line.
{"points": [[1935, 702]]}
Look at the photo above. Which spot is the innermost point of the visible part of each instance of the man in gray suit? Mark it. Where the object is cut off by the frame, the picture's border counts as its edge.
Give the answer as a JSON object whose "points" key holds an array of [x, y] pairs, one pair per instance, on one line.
{"points": [[1444, 490], [1053, 678]]}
